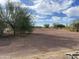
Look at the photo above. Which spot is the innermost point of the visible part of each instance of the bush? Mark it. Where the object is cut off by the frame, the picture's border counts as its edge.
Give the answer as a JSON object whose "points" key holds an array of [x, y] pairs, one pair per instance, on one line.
{"points": [[59, 26], [46, 25], [74, 26], [23, 24]]}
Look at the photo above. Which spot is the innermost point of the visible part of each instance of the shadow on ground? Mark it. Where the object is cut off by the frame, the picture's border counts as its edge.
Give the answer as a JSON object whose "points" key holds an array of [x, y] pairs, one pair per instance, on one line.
{"points": [[39, 41], [47, 42], [6, 40]]}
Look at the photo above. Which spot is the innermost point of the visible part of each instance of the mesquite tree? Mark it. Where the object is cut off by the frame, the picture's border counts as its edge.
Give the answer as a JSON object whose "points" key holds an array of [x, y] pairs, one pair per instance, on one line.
{"points": [[16, 17]]}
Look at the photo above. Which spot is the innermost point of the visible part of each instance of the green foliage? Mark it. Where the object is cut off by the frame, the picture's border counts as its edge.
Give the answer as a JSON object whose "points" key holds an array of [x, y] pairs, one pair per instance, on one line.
{"points": [[23, 24], [46, 25], [16, 17], [74, 26], [58, 26], [2, 27], [2, 23], [22, 21]]}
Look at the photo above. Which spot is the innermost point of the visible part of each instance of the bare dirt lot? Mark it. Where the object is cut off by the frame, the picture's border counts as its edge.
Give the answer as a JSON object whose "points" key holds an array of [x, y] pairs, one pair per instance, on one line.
{"points": [[41, 44]]}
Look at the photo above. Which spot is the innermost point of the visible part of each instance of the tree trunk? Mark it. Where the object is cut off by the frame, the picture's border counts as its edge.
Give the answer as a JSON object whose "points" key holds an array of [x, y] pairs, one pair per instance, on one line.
{"points": [[14, 29], [1, 32]]}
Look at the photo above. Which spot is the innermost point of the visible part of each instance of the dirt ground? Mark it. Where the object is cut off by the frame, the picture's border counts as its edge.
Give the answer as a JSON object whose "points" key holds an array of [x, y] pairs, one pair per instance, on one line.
{"points": [[41, 44]]}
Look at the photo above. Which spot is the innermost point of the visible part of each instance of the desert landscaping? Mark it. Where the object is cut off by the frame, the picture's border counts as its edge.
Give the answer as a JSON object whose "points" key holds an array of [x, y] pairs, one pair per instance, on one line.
{"points": [[39, 29], [41, 44]]}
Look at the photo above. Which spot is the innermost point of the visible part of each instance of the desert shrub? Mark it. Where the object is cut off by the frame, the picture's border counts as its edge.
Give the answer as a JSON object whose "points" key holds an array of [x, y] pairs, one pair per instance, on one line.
{"points": [[46, 25], [59, 26], [74, 26], [23, 23]]}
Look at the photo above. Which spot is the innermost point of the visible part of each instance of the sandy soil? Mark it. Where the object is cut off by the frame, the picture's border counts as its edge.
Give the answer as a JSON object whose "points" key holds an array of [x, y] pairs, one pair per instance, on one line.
{"points": [[41, 44]]}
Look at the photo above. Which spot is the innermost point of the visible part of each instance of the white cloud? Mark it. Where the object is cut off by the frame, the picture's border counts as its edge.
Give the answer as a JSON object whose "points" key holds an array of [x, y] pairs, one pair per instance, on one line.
{"points": [[23, 5], [3, 2], [73, 11], [16, 0], [39, 17], [56, 19], [49, 6], [63, 20]]}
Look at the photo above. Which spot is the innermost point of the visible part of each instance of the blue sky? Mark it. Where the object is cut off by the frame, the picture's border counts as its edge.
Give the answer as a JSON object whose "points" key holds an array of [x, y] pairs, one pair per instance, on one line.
{"points": [[51, 11]]}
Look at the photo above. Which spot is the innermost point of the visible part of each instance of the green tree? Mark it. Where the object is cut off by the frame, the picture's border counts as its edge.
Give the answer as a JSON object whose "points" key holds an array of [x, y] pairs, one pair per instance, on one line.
{"points": [[58, 26], [2, 23], [2, 27], [18, 18], [46, 25], [23, 23]]}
